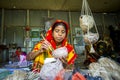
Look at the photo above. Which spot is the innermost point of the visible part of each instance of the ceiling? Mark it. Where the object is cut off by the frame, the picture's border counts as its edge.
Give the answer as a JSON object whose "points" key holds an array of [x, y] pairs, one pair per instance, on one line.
{"points": [[65, 5]]}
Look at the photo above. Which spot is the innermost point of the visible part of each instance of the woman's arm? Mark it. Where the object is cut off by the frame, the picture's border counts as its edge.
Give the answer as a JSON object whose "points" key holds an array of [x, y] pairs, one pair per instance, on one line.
{"points": [[44, 46], [31, 55]]}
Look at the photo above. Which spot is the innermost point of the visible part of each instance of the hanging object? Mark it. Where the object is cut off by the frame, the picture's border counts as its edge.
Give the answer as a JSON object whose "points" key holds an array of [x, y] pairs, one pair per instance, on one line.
{"points": [[86, 22], [48, 23], [27, 28], [91, 37], [92, 49], [88, 25], [27, 36]]}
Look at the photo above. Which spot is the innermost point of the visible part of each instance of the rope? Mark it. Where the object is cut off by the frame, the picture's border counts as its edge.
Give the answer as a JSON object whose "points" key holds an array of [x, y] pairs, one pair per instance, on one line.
{"points": [[87, 11]]}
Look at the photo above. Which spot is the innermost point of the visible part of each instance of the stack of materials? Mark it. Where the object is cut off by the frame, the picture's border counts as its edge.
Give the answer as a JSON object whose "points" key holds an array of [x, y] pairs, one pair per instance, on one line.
{"points": [[22, 75], [106, 68]]}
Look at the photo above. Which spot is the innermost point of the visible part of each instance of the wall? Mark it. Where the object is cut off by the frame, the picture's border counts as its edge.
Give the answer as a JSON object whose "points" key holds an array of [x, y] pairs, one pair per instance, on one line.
{"points": [[16, 20]]}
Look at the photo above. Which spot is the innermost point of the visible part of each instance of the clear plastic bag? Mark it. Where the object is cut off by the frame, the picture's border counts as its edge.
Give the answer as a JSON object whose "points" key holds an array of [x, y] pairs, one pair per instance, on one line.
{"points": [[92, 37], [49, 70], [60, 52], [60, 75], [86, 21]]}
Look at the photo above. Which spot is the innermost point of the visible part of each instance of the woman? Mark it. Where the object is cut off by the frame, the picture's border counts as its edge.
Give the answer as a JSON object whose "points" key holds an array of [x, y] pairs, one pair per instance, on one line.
{"points": [[18, 52], [56, 37]]}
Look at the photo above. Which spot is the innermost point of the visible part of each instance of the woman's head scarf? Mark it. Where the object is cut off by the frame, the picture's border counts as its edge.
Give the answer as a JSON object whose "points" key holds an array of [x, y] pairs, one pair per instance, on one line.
{"points": [[49, 36]]}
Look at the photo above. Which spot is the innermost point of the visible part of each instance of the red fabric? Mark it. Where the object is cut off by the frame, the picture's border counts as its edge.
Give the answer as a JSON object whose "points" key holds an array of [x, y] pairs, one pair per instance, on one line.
{"points": [[73, 59], [18, 54], [78, 76], [49, 36]]}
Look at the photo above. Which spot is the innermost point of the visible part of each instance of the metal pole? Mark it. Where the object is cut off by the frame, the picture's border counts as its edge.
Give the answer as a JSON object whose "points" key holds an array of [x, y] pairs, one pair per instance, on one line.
{"points": [[48, 13], [2, 26], [27, 32], [70, 24]]}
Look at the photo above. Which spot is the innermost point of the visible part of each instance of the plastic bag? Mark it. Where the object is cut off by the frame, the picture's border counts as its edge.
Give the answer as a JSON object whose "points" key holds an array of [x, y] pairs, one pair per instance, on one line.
{"points": [[23, 61], [60, 75], [60, 52], [49, 70], [92, 37], [86, 21]]}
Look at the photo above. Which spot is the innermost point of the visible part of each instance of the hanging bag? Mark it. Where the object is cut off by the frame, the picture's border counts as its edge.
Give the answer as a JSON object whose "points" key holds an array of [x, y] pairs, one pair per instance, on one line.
{"points": [[88, 25]]}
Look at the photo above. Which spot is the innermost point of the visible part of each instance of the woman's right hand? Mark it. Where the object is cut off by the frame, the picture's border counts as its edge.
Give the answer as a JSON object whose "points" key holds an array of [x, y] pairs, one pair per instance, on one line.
{"points": [[45, 46]]}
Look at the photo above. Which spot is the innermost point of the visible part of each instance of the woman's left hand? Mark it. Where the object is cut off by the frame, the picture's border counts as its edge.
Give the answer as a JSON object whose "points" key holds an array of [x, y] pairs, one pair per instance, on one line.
{"points": [[64, 61]]}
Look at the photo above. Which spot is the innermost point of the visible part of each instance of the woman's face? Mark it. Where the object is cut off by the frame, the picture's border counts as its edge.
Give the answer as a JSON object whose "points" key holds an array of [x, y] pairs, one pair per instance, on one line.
{"points": [[19, 49], [59, 33]]}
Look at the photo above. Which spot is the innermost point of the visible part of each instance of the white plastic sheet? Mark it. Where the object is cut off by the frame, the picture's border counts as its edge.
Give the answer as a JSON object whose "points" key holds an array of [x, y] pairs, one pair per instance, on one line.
{"points": [[23, 61], [50, 70]]}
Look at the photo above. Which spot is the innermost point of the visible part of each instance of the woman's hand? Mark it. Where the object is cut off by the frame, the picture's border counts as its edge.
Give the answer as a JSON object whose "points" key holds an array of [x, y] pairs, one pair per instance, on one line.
{"points": [[45, 46], [65, 64], [64, 61]]}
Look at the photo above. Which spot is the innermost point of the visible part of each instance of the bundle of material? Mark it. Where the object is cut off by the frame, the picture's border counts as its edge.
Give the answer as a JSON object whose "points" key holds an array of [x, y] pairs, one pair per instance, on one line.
{"points": [[97, 70], [92, 37], [86, 21], [17, 75], [23, 75], [111, 66], [106, 68], [60, 52], [32, 75]]}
